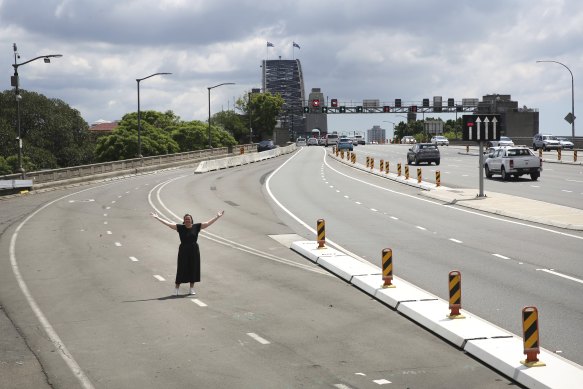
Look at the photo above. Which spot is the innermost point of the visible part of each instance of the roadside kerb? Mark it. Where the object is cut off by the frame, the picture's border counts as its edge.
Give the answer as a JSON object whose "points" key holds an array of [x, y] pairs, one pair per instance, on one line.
{"points": [[489, 343]]}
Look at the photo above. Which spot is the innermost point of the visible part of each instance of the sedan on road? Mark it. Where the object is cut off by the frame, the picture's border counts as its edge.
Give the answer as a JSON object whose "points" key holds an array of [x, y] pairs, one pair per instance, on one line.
{"points": [[312, 141], [265, 145], [440, 140], [565, 143], [345, 144], [423, 152]]}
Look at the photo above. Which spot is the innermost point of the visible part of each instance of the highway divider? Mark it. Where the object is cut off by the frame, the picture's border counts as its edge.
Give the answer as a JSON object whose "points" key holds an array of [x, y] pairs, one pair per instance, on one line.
{"points": [[243, 159], [486, 342]]}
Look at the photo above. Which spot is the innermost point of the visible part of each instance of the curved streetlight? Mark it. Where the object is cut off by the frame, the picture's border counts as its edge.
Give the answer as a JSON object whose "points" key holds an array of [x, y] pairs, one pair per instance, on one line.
{"points": [[209, 89], [139, 113], [15, 82], [386, 121], [572, 96]]}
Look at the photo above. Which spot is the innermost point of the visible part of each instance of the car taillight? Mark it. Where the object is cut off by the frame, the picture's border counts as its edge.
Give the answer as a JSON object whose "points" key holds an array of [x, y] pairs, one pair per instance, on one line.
{"points": [[511, 164]]}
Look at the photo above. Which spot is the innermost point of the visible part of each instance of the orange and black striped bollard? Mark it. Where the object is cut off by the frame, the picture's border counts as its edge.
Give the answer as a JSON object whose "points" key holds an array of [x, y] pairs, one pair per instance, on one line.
{"points": [[387, 261], [455, 295], [531, 337], [321, 232]]}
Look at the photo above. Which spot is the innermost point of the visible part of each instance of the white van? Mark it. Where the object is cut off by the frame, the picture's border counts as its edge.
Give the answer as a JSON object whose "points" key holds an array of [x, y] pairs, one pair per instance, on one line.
{"points": [[331, 140]]}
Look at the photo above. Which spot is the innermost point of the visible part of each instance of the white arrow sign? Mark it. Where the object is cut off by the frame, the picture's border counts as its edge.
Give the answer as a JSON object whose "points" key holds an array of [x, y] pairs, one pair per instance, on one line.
{"points": [[478, 129]]}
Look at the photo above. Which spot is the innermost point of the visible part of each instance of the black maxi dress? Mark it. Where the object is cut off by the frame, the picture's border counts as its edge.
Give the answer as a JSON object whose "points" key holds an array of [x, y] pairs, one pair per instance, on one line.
{"points": [[188, 269]]}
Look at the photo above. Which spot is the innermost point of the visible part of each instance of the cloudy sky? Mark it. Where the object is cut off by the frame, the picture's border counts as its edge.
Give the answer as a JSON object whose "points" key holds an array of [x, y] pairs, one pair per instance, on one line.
{"points": [[352, 50]]}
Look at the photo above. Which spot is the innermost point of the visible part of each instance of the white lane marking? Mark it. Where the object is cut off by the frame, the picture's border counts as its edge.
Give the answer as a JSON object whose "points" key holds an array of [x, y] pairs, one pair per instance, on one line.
{"points": [[342, 386], [535, 186], [575, 181], [394, 218], [374, 210], [566, 191], [258, 338], [362, 374], [346, 197], [159, 277], [134, 259], [198, 302], [47, 327], [113, 201], [500, 256], [434, 202], [109, 232], [421, 228], [337, 191], [105, 222], [561, 275], [455, 240], [119, 196], [105, 214], [118, 244], [128, 192], [332, 186], [358, 202], [108, 207], [381, 382]]}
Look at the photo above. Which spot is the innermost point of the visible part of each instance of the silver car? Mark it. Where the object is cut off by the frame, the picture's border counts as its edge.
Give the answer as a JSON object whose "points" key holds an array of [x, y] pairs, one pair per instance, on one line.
{"points": [[423, 152], [565, 143]]}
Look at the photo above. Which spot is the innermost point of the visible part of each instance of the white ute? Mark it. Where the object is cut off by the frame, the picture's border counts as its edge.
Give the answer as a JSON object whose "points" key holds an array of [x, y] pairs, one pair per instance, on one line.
{"points": [[512, 161]]}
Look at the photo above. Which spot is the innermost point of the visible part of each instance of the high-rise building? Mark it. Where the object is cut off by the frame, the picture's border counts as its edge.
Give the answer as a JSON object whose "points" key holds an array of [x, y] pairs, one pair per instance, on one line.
{"points": [[376, 134]]}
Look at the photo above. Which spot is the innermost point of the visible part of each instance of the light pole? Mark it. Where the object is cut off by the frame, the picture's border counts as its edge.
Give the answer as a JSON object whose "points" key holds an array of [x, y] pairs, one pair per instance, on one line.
{"points": [[386, 121], [140, 114], [209, 89], [572, 96], [15, 82]]}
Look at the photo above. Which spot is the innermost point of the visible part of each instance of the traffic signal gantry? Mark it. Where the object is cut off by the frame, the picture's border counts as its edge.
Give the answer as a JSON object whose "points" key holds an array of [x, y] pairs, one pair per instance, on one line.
{"points": [[397, 106]]}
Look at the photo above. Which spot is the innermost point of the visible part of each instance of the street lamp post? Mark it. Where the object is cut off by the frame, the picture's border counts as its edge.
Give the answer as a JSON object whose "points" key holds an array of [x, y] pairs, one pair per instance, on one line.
{"points": [[140, 114], [572, 96], [386, 121], [15, 82], [209, 90]]}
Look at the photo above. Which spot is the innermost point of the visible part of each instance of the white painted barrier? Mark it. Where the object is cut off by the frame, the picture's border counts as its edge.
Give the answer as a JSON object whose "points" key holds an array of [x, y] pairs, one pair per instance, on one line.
{"points": [[243, 159]]}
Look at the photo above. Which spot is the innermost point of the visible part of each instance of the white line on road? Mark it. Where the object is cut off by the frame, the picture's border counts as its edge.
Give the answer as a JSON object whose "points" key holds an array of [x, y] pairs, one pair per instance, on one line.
{"points": [[566, 191], [134, 259], [455, 240], [105, 214], [394, 218], [346, 197], [561, 275], [113, 201], [500, 256], [358, 202], [381, 382], [109, 232], [374, 210], [198, 302], [159, 278], [258, 338], [118, 244], [105, 222], [107, 207], [421, 228]]}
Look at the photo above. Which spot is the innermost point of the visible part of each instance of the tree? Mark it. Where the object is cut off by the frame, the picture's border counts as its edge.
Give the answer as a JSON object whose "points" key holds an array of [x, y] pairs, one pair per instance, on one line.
{"points": [[263, 109], [50, 130], [233, 123]]}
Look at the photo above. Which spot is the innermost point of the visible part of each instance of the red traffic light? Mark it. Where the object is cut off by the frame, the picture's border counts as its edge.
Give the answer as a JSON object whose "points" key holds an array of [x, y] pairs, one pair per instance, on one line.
{"points": [[315, 103], [386, 108], [334, 102]]}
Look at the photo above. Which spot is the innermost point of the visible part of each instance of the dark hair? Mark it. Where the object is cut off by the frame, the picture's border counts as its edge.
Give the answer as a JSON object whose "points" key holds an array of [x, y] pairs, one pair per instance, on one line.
{"points": [[190, 216]]}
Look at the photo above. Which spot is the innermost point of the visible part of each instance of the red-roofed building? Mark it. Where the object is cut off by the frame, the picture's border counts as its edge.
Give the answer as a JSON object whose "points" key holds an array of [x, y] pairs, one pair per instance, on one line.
{"points": [[103, 127]]}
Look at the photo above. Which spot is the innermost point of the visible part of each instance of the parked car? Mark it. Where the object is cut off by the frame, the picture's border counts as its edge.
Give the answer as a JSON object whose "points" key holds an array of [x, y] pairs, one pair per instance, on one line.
{"points": [[345, 144], [545, 142], [512, 161], [301, 142], [504, 141], [408, 139], [565, 143], [321, 142], [265, 145], [440, 140], [312, 142], [331, 140], [423, 152]]}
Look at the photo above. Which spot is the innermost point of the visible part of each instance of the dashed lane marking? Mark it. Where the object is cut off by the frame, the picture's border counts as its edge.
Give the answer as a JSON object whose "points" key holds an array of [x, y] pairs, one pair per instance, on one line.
{"points": [[198, 302], [159, 277], [500, 256], [455, 240], [118, 244], [258, 338], [134, 259], [556, 273]]}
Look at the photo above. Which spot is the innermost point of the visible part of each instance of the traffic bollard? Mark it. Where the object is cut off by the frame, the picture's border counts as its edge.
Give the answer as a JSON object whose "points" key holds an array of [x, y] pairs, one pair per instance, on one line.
{"points": [[574, 155], [559, 154], [419, 175], [455, 295], [387, 263], [399, 169], [531, 337], [321, 229], [367, 162], [382, 165], [406, 172], [371, 163], [437, 178], [387, 167], [241, 150], [540, 153], [467, 149]]}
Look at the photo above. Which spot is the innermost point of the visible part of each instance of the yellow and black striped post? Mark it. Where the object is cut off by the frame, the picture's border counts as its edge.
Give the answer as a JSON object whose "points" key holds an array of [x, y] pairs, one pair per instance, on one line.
{"points": [[399, 169], [353, 158], [574, 155], [419, 178], [387, 261], [387, 167], [348, 155], [241, 150], [406, 172], [341, 154], [367, 161], [321, 229], [530, 331], [337, 151], [540, 153], [382, 165], [559, 154], [467, 149], [455, 295], [437, 178], [371, 163]]}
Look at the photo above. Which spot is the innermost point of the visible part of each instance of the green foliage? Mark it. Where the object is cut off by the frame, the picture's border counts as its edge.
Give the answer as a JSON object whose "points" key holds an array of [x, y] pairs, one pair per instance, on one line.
{"points": [[263, 109], [233, 123], [49, 129], [4, 167]]}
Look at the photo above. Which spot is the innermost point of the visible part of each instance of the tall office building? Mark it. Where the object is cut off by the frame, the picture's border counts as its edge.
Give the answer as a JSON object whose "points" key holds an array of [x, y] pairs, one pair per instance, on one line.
{"points": [[285, 77]]}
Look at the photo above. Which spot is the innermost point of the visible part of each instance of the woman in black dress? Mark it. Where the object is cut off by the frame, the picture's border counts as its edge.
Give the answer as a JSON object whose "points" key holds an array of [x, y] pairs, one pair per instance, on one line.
{"points": [[188, 268]]}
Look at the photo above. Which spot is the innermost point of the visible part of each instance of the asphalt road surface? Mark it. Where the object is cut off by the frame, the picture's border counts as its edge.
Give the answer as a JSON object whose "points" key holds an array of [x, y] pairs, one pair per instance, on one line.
{"points": [[86, 278]]}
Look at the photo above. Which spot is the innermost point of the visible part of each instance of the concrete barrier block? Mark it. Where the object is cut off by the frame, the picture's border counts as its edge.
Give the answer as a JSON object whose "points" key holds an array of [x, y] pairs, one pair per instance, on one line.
{"points": [[402, 292], [506, 354], [345, 266]]}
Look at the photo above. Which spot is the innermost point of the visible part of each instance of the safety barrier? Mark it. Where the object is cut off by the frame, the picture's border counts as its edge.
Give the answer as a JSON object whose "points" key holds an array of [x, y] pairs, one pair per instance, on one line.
{"points": [[321, 230], [243, 159], [367, 162], [419, 175], [387, 167], [530, 338], [399, 169], [574, 155], [406, 172], [455, 295], [437, 178], [371, 163], [387, 265], [382, 165]]}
